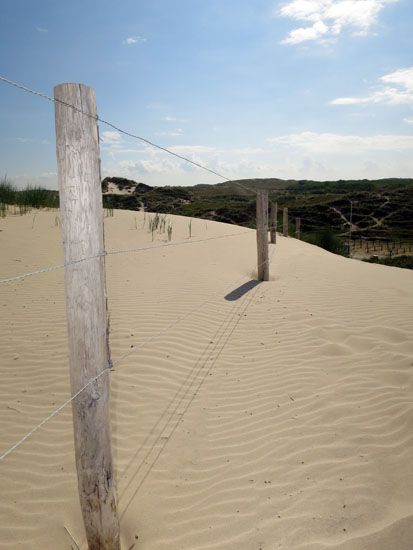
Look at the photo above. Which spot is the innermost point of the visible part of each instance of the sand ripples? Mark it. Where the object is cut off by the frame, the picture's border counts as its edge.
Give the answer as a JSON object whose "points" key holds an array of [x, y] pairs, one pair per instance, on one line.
{"points": [[282, 419]]}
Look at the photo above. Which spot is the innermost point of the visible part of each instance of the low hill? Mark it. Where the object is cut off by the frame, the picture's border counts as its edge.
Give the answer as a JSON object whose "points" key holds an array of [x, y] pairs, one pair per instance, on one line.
{"points": [[381, 209]]}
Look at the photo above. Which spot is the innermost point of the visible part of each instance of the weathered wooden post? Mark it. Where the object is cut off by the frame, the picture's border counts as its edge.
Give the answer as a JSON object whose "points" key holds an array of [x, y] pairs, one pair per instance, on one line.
{"points": [[285, 221], [77, 148], [273, 222], [297, 228], [262, 235]]}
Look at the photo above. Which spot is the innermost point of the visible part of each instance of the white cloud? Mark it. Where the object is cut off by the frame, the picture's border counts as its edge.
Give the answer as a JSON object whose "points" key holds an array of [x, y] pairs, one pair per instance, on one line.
{"points": [[41, 29], [328, 18], [134, 40], [173, 133], [301, 155], [111, 137], [401, 77], [326, 143], [302, 34], [148, 166], [192, 149], [394, 89], [408, 120]]}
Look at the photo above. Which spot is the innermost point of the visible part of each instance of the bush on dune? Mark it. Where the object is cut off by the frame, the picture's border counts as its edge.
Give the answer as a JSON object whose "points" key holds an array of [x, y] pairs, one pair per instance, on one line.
{"points": [[31, 196], [328, 240], [405, 262]]}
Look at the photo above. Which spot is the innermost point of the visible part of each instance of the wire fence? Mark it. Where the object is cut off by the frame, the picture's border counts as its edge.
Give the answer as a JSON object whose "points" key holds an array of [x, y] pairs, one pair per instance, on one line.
{"points": [[192, 384], [124, 132], [49, 269], [150, 450], [133, 350], [111, 253]]}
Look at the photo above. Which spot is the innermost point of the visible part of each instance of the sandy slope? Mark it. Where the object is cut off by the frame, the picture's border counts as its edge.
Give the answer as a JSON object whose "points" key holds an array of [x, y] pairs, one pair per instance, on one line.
{"points": [[281, 419]]}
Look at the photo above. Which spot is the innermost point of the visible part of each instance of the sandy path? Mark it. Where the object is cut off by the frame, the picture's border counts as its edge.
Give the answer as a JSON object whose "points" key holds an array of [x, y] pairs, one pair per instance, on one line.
{"points": [[281, 419]]}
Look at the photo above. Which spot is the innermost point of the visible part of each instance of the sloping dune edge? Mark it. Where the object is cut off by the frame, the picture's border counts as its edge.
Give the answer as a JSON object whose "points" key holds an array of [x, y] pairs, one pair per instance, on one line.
{"points": [[244, 416]]}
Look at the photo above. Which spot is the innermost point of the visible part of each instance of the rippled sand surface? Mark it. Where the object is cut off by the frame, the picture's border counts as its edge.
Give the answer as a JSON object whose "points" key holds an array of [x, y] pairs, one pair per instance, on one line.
{"points": [[268, 416]]}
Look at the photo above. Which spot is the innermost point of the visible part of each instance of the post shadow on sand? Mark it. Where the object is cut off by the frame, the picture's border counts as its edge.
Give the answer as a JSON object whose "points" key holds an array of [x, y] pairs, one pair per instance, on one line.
{"points": [[241, 290]]}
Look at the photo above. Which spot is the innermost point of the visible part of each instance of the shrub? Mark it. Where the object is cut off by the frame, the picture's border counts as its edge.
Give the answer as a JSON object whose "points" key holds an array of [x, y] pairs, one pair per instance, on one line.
{"points": [[7, 192], [328, 240], [35, 197], [405, 262]]}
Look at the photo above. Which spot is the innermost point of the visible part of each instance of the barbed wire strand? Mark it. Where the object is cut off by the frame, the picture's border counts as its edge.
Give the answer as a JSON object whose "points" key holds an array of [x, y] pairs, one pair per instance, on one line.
{"points": [[124, 132], [101, 373], [111, 253]]}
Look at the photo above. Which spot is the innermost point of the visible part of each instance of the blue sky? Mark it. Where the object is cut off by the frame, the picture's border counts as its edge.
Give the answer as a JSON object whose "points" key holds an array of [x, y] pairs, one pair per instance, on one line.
{"points": [[316, 89]]}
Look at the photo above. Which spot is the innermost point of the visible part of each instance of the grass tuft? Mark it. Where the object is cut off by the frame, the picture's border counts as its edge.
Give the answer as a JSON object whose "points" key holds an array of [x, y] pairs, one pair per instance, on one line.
{"points": [[26, 199]]}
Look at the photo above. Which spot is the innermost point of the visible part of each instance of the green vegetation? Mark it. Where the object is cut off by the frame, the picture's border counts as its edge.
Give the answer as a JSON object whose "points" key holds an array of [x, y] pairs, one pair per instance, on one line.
{"points": [[381, 209], [328, 240], [30, 197], [160, 223], [405, 262], [7, 192]]}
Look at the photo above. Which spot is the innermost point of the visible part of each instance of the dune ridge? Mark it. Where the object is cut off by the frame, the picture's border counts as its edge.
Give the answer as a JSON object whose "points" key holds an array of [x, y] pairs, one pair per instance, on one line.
{"points": [[282, 419]]}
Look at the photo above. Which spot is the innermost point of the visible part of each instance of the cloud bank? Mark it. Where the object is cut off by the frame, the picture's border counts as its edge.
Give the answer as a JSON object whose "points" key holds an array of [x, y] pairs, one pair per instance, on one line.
{"points": [[393, 89], [326, 19]]}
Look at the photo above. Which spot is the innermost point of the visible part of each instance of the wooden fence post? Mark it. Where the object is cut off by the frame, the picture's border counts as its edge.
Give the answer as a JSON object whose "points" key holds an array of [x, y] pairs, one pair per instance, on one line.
{"points": [[77, 149], [273, 222], [297, 228], [285, 221], [262, 235]]}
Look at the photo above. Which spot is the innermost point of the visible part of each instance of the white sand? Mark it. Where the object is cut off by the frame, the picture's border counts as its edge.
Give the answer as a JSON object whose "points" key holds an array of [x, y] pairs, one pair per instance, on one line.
{"points": [[283, 419]]}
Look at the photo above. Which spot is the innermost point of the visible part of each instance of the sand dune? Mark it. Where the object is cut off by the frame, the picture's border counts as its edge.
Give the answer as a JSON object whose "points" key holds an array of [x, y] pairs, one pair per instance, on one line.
{"points": [[278, 418]]}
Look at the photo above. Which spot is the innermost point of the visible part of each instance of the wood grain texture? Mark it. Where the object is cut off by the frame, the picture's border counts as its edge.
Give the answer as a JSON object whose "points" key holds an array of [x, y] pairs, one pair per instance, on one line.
{"points": [[297, 228], [77, 148], [273, 222], [285, 221], [262, 235]]}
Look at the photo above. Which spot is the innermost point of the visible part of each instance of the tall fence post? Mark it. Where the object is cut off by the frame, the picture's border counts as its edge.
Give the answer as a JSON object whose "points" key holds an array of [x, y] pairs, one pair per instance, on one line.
{"points": [[77, 149], [285, 221], [262, 235], [273, 222], [297, 228]]}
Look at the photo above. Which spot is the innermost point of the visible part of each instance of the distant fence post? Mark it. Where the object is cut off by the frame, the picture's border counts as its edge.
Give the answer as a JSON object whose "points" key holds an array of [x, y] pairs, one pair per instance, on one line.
{"points": [[262, 235], [297, 228], [77, 149], [273, 222], [285, 221]]}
